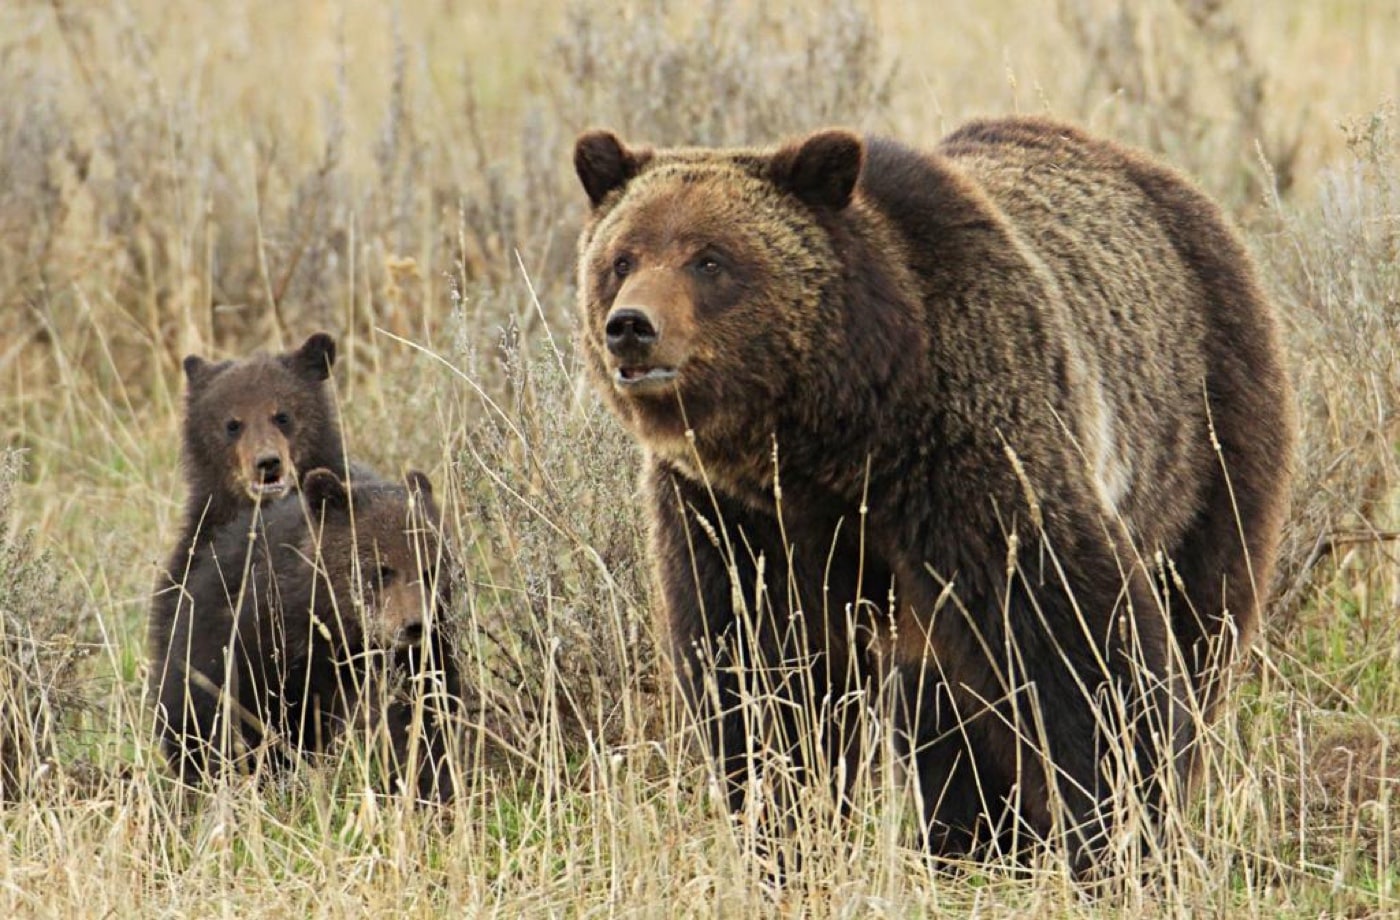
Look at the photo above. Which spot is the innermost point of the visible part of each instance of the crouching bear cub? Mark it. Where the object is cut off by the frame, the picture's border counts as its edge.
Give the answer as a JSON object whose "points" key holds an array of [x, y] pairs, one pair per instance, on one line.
{"points": [[305, 615], [1003, 425]]}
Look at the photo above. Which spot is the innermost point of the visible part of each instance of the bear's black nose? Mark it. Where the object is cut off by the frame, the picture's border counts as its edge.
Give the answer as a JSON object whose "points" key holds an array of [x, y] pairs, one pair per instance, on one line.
{"points": [[269, 468], [410, 634], [629, 329]]}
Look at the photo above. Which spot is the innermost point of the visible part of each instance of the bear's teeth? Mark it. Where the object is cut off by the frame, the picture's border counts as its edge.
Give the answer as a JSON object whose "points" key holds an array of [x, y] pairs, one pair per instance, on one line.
{"points": [[630, 376]]}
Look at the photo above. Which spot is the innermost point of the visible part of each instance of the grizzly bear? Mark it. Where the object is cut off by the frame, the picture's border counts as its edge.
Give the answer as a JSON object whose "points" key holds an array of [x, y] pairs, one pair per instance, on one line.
{"points": [[999, 429], [299, 612]]}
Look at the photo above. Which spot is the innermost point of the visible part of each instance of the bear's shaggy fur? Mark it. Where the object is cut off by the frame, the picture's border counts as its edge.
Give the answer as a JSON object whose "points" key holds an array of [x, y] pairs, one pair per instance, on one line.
{"points": [[1003, 424], [288, 621]]}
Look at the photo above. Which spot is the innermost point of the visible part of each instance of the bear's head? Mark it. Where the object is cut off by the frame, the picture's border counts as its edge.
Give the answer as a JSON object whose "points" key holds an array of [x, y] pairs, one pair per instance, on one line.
{"points": [[707, 278], [252, 425], [378, 549]]}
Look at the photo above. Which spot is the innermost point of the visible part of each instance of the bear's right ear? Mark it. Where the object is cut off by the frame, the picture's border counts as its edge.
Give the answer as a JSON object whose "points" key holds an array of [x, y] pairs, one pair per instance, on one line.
{"points": [[198, 371], [821, 170], [604, 164], [323, 489], [195, 370], [313, 360]]}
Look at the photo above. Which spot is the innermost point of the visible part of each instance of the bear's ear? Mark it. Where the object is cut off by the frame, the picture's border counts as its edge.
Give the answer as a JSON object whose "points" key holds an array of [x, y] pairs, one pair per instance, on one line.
{"points": [[313, 360], [821, 170], [418, 482], [603, 163], [198, 371], [323, 489]]}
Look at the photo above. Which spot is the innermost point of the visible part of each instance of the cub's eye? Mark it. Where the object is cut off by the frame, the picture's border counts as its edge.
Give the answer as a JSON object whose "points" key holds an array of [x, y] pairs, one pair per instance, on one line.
{"points": [[385, 576], [281, 420], [233, 426], [708, 265], [622, 266]]}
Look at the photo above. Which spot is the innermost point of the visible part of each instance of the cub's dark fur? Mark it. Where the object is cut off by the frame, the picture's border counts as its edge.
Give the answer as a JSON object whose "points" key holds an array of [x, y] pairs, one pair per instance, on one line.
{"points": [[296, 613]]}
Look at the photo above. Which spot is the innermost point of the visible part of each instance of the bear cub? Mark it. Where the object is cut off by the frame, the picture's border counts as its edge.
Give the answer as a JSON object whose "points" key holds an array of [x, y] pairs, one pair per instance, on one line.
{"points": [[252, 427], [302, 618]]}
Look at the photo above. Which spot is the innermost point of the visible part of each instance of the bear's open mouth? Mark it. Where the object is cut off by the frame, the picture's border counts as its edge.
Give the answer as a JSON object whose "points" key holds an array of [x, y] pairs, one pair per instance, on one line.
{"points": [[643, 378], [268, 490]]}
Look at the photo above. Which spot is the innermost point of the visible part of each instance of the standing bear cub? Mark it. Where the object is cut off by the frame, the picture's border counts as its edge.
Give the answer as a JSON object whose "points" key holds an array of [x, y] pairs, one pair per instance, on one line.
{"points": [[305, 615], [999, 429], [251, 428]]}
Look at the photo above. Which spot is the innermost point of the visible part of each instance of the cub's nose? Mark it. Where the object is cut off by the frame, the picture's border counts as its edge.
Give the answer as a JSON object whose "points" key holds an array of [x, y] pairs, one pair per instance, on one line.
{"points": [[410, 634], [269, 468], [629, 330]]}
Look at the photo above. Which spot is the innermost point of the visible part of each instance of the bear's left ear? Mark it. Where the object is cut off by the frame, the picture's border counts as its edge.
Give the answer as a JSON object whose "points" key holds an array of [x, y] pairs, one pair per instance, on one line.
{"points": [[821, 170], [603, 163], [323, 489], [418, 482], [313, 360]]}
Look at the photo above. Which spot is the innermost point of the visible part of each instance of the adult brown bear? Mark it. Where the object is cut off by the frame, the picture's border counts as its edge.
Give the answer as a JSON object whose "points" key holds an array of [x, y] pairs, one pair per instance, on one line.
{"points": [[1004, 424]]}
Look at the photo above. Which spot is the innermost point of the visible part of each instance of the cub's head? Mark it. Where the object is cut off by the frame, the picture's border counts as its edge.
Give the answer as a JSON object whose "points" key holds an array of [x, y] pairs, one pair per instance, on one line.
{"points": [[381, 555], [252, 425], [705, 278]]}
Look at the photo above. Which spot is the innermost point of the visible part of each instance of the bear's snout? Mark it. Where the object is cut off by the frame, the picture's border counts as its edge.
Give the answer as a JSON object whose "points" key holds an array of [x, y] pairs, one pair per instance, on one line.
{"points": [[269, 468], [630, 332], [405, 629], [410, 634], [642, 365], [266, 468], [402, 615]]}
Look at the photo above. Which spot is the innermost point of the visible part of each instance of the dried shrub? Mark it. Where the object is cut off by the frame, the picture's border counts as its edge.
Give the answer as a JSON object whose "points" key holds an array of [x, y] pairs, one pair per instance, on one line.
{"points": [[722, 73], [1336, 274], [557, 585], [40, 621], [1180, 77]]}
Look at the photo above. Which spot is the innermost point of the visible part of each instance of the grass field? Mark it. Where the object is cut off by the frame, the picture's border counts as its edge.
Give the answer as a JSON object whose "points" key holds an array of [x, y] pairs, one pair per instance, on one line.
{"points": [[237, 175]]}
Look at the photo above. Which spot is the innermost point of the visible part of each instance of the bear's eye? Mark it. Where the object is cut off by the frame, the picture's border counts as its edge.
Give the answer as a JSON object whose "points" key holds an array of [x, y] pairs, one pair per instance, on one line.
{"points": [[708, 265], [622, 266], [281, 420], [233, 426], [385, 576]]}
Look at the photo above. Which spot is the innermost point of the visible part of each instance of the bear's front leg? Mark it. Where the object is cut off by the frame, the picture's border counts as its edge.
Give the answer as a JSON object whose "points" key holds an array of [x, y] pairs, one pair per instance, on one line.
{"points": [[425, 724], [746, 638], [196, 687]]}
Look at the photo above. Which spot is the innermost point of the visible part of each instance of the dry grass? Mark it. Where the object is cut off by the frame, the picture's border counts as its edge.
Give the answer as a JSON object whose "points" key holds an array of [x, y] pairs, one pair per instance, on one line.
{"points": [[220, 181]]}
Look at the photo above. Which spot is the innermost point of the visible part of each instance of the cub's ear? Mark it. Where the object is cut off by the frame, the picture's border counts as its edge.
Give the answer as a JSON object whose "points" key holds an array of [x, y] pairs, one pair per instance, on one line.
{"points": [[604, 164], [196, 368], [198, 371], [821, 170], [323, 490], [314, 359], [418, 482]]}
